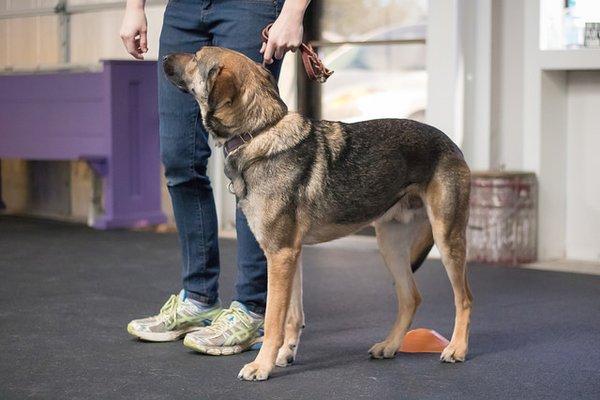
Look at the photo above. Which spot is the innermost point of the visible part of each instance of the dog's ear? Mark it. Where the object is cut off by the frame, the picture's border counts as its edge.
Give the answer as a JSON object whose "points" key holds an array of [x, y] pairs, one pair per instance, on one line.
{"points": [[223, 88], [209, 71]]}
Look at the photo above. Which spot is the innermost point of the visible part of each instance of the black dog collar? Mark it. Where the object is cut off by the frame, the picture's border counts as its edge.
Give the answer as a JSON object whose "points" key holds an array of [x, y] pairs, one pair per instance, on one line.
{"points": [[236, 142]]}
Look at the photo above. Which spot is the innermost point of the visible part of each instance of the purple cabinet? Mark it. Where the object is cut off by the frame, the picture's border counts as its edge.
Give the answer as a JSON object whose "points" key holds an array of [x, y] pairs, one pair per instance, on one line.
{"points": [[107, 117]]}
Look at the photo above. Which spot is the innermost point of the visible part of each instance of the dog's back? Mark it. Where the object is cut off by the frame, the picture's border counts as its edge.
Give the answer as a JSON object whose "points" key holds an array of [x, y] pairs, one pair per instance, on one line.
{"points": [[370, 165]]}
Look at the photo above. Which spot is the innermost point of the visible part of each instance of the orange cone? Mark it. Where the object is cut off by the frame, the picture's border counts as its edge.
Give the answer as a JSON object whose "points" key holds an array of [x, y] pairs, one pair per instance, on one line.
{"points": [[423, 340]]}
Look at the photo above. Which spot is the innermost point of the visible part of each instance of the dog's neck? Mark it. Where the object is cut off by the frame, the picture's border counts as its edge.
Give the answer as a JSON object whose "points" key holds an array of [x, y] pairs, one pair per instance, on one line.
{"points": [[284, 135], [233, 144]]}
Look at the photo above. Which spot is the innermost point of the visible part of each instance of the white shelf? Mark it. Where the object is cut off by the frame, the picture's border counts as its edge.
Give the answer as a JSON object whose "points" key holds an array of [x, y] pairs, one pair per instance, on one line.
{"points": [[568, 60]]}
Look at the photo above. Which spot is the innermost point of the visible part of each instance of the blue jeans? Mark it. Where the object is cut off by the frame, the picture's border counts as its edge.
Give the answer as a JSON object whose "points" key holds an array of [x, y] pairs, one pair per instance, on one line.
{"points": [[188, 25]]}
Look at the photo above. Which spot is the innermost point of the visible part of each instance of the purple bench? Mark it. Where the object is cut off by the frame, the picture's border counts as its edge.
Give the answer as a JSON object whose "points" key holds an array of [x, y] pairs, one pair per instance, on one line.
{"points": [[107, 117]]}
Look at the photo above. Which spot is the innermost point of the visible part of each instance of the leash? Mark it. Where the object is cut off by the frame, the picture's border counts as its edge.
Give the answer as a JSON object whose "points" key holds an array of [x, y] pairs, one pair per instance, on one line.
{"points": [[313, 65]]}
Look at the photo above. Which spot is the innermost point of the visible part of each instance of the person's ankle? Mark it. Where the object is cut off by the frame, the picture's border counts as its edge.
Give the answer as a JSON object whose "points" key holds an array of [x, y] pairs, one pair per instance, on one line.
{"points": [[200, 304], [254, 312], [203, 306]]}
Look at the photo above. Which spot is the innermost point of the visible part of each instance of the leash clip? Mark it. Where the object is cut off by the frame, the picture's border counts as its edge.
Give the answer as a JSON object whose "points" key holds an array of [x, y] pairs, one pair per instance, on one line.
{"points": [[230, 187]]}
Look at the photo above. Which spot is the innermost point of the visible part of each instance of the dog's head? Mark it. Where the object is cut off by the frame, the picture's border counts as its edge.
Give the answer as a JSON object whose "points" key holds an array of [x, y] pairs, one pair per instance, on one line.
{"points": [[235, 94]]}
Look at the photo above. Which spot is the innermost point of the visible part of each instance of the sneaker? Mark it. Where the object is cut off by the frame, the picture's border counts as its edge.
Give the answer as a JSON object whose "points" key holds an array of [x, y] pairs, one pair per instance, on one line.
{"points": [[234, 330], [177, 317]]}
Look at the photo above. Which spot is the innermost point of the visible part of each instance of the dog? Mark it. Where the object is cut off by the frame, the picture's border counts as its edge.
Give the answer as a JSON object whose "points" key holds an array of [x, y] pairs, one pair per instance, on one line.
{"points": [[301, 181]]}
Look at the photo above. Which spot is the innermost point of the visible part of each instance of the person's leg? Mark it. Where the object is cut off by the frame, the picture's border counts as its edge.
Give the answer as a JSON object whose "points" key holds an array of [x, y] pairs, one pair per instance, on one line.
{"points": [[237, 25], [185, 152]]}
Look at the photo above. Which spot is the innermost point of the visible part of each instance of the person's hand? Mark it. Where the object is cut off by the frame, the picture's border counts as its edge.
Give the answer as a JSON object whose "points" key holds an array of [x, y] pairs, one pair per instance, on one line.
{"points": [[134, 31], [285, 35]]}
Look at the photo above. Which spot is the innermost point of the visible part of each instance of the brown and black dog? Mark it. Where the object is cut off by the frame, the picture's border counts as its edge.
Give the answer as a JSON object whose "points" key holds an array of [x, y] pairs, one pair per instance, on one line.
{"points": [[301, 181]]}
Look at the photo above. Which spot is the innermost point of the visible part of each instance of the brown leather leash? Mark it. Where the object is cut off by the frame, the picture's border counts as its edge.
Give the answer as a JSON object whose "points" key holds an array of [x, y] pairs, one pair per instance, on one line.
{"points": [[313, 65]]}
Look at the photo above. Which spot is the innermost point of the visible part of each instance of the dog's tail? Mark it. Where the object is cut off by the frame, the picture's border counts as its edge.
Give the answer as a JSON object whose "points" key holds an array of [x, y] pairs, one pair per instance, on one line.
{"points": [[421, 248]]}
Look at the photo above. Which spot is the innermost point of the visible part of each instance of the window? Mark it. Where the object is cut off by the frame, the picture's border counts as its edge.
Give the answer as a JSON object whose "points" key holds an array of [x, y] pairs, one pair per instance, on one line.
{"points": [[378, 58]]}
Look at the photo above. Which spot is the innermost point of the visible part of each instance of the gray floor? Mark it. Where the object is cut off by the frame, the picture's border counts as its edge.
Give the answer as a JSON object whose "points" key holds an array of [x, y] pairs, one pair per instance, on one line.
{"points": [[67, 292]]}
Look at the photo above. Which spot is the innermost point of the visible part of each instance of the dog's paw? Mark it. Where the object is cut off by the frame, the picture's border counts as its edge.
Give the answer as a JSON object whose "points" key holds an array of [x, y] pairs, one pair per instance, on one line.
{"points": [[254, 371], [286, 355], [385, 349], [453, 353]]}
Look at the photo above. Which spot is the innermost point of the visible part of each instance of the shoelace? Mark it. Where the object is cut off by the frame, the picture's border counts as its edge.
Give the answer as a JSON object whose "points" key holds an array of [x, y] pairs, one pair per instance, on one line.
{"points": [[169, 311], [222, 323]]}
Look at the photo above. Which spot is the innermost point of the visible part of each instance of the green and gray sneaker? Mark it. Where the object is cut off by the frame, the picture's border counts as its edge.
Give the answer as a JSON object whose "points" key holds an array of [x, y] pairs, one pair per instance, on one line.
{"points": [[234, 330], [176, 318]]}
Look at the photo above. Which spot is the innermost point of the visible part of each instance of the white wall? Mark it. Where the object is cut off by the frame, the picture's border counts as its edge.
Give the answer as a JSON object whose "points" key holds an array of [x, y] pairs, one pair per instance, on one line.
{"points": [[476, 40], [521, 108], [583, 165], [507, 84], [492, 42], [444, 68]]}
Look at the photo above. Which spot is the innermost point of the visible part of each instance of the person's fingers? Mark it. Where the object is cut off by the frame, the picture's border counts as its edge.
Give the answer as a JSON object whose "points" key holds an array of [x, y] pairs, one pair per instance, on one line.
{"points": [[130, 45], [262, 48], [138, 48], [269, 51], [144, 41], [280, 52]]}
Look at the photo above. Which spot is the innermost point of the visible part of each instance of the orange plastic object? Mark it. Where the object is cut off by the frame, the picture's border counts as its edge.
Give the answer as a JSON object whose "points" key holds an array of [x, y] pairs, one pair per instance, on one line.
{"points": [[423, 341]]}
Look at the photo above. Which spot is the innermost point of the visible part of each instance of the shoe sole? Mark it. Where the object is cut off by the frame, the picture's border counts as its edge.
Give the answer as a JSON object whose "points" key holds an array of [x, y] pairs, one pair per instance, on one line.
{"points": [[253, 344], [157, 337]]}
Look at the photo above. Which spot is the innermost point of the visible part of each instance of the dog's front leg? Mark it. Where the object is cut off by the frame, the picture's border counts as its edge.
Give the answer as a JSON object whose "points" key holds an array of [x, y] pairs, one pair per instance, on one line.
{"points": [[294, 323], [281, 266]]}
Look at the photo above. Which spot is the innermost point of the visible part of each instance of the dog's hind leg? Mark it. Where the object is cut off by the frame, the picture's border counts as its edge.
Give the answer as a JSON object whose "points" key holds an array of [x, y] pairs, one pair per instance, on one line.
{"points": [[395, 241], [447, 202], [293, 324]]}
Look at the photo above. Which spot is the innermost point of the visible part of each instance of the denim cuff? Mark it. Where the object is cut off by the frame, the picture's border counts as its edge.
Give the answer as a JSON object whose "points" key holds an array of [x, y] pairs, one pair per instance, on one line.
{"points": [[255, 308]]}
